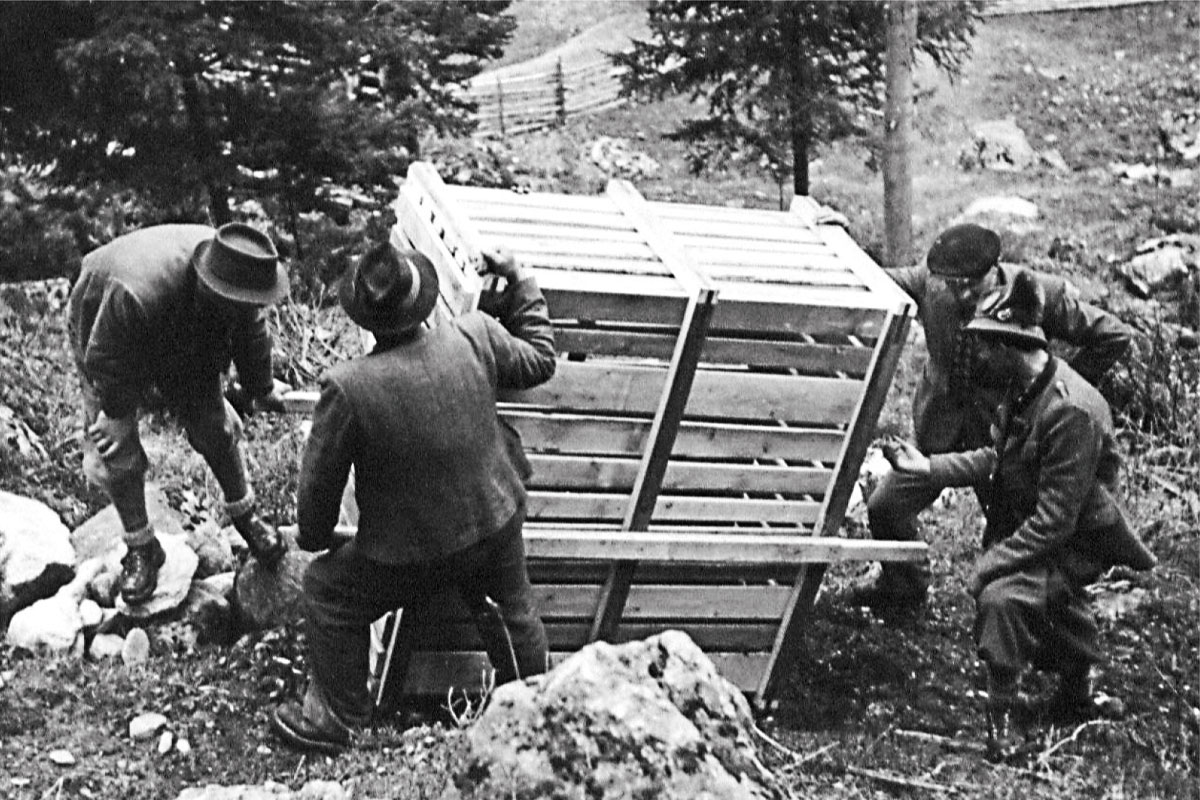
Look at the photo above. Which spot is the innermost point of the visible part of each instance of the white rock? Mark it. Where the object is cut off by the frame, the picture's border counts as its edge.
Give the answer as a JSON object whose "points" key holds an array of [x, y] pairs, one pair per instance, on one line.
{"points": [[35, 549], [143, 726], [183, 746], [165, 741], [55, 624], [91, 613], [106, 645], [136, 647], [61, 757], [1012, 207]]}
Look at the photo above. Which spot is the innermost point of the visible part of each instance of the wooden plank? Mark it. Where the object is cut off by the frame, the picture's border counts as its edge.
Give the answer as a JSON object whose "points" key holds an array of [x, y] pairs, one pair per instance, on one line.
{"points": [[618, 474], [477, 196], [799, 310], [613, 268], [597, 248], [576, 433], [613, 387], [593, 573], [520, 231], [415, 228], [595, 505], [742, 636], [603, 217], [790, 637], [433, 673], [809, 357], [701, 548], [593, 297], [862, 426], [839, 242]]}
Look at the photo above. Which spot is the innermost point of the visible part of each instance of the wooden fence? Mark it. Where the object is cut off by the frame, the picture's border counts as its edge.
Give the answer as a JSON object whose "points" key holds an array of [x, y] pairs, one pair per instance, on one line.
{"points": [[534, 100]]}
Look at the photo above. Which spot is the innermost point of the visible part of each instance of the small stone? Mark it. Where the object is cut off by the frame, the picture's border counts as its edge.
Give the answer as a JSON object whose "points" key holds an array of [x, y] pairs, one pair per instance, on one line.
{"points": [[136, 648], [165, 742], [146, 725], [91, 613], [106, 645], [62, 757], [263, 750], [183, 746]]}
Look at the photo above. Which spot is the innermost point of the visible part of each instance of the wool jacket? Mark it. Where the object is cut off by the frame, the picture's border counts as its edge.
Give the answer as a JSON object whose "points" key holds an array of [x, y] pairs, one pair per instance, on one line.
{"points": [[946, 420], [1051, 480], [133, 321], [417, 421]]}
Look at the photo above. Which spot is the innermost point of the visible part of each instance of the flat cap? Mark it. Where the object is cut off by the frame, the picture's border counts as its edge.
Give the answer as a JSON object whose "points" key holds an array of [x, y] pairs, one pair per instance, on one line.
{"points": [[964, 251]]}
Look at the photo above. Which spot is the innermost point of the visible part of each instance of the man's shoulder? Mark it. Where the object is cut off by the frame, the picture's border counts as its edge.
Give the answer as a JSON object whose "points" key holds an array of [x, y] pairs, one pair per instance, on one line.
{"points": [[1070, 390]]}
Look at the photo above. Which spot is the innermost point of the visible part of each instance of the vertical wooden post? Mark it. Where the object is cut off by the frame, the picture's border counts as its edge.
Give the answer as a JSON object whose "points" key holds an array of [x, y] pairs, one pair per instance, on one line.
{"points": [[897, 120], [560, 93], [500, 105]]}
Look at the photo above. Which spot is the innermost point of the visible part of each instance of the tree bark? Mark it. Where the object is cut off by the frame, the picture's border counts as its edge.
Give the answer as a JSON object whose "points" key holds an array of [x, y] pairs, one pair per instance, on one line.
{"points": [[798, 106], [897, 120]]}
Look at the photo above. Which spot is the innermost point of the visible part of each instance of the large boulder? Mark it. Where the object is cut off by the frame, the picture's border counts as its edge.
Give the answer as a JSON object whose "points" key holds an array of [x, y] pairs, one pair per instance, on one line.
{"points": [[36, 556], [268, 597], [174, 578], [644, 719], [55, 624], [1000, 145]]}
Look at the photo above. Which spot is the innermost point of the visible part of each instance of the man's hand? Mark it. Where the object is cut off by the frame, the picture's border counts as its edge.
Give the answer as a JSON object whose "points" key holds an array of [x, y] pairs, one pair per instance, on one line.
{"points": [[905, 457], [108, 432], [503, 263], [272, 401]]}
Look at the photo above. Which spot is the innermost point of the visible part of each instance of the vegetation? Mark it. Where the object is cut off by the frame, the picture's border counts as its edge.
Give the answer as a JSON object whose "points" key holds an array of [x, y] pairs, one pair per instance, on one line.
{"points": [[1090, 84]]}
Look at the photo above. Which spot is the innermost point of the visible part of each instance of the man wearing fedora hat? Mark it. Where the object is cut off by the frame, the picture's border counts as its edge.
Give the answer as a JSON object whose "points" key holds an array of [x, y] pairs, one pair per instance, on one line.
{"points": [[1054, 522], [168, 308], [440, 496], [953, 404]]}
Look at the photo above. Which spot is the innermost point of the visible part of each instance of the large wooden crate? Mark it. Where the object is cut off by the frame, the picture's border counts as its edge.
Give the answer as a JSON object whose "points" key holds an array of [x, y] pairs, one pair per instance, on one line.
{"points": [[721, 372]]}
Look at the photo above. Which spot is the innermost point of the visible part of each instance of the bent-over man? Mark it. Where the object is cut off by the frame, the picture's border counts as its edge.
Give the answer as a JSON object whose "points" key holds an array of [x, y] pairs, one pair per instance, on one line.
{"points": [[169, 307], [440, 497]]}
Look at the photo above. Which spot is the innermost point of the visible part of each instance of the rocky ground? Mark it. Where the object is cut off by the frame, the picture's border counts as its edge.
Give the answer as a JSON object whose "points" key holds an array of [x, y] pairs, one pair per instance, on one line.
{"points": [[1107, 103]]}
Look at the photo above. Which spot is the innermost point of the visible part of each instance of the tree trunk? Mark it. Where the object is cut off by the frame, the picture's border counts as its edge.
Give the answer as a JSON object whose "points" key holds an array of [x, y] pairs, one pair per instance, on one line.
{"points": [[897, 120], [798, 106], [204, 149]]}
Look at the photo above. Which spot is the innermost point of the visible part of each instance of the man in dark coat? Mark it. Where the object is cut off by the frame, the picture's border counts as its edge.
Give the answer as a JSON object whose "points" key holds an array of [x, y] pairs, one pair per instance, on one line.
{"points": [[953, 405], [168, 307], [1054, 523], [440, 497]]}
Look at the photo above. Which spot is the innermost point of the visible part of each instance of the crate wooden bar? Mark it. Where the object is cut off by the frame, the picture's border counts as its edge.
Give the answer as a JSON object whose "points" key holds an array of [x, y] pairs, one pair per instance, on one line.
{"points": [[720, 374]]}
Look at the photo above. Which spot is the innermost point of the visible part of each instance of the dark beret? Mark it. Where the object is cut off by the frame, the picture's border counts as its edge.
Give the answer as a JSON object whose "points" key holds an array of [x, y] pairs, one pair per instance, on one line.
{"points": [[964, 251]]}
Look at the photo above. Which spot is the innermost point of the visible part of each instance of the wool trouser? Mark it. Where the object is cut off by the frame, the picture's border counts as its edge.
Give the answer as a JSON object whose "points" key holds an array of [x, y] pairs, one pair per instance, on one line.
{"points": [[1038, 616], [213, 429], [345, 592]]}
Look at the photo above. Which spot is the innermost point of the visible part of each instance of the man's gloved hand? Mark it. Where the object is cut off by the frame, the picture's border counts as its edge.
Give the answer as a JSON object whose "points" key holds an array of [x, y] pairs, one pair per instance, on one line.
{"points": [[108, 432]]}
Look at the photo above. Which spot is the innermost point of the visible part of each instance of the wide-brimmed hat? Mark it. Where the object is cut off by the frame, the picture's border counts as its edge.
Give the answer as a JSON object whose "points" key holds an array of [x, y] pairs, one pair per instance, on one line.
{"points": [[1012, 312], [964, 251], [389, 291], [240, 263]]}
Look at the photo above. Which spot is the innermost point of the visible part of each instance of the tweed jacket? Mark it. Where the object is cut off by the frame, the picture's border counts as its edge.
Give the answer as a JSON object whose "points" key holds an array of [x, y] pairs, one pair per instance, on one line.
{"points": [[133, 321], [417, 421], [945, 419], [1051, 477]]}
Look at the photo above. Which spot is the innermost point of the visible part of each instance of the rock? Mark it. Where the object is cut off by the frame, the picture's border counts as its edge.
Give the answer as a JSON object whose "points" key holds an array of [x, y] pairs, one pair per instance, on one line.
{"points": [[103, 534], [209, 611], [616, 158], [322, 790], [268, 791], [136, 647], [183, 746], [62, 758], [1054, 160], [174, 579], [998, 145], [643, 719], [55, 624], [1152, 174], [166, 740], [1179, 130], [213, 548], [91, 614], [143, 726], [106, 645], [36, 556], [1161, 263], [268, 598], [1003, 214], [17, 439]]}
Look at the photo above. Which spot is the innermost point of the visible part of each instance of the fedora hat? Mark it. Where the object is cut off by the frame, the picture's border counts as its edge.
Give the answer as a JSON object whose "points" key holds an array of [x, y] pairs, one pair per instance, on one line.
{"points": [[389, 291], [240, 263], [1012, 312]]}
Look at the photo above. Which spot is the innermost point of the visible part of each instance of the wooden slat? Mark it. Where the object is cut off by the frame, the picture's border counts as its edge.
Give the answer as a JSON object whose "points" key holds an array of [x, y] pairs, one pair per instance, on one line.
{"points": [[618, 474], [457, 225], [802, 356], [432, 673], [477, 196], [700, 548], [797, 310], [709, 637], [459, 289], [600, 216], [552, 571], [575, 433], [522, 231], [612, 387], [613, 268], [599, 248], [595, 505]]}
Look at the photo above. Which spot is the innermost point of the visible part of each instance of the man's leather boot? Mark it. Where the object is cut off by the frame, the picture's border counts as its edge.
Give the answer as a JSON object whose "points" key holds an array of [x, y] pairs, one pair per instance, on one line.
{"points": [[139, 571], [264, 541], [1003, 738], [1075, 700], [899, 588]]}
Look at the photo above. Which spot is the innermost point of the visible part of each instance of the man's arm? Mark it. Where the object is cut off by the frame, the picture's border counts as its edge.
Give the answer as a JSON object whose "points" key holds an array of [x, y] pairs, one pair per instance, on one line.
{"points": [[523, 341], [1069, 451], [324, 468], [1100, 337], [252, 354], [910, 279]]}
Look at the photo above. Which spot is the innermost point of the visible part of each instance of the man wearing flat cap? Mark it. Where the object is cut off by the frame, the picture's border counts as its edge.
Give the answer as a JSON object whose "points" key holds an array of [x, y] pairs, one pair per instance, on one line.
{"points": [[440, 497], [1054, 522], [168, 308], [953, 406]]}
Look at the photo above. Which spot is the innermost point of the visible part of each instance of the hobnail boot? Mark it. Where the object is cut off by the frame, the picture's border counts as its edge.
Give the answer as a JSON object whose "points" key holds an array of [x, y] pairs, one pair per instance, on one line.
{"points": [[264, 541], [139, 571]]}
